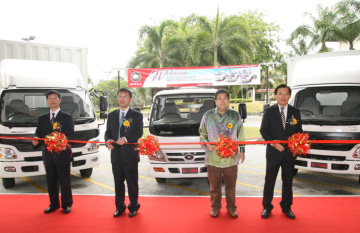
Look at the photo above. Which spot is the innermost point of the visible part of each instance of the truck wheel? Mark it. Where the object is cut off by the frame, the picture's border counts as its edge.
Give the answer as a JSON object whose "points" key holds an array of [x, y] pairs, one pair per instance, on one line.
{"points": [[160, 180], [296, 171], [8, 182], [86, 172]]}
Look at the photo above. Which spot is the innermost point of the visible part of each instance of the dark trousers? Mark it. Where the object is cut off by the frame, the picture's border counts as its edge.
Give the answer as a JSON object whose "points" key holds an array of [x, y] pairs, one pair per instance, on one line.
{"points": [[287, 173], [128, 172], [59, 174]]}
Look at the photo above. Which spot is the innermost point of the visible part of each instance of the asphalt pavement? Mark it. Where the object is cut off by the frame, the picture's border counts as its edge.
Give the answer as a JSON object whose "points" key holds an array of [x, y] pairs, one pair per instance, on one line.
{"points": [[249, 183]]}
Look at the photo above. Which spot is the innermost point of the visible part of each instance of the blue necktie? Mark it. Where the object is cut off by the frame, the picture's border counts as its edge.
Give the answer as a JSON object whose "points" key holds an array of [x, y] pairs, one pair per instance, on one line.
{"points": [[121, 121]]}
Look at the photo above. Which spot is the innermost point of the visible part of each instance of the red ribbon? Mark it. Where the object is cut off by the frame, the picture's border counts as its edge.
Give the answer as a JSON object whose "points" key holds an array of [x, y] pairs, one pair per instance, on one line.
{"points": [[148, 145], [204, 143], [226, 147], [56, 142]]}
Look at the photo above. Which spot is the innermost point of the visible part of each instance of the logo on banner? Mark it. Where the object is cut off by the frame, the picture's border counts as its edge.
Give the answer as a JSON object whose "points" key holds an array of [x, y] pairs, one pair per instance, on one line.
{"points": [[135, 77]]}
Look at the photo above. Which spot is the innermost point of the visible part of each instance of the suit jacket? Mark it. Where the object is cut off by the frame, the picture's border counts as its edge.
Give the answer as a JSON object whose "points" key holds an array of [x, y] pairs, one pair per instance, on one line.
{"points": [[132, 133], [272, 129], [44, 128]]}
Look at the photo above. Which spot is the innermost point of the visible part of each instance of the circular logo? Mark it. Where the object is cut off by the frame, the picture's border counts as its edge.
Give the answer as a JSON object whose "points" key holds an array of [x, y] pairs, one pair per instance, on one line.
{"points": [[189, 156], [135, 77]]}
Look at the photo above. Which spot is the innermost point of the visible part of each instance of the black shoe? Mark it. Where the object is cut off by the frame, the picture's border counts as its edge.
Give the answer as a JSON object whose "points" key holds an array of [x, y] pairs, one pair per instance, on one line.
{"points": [[265, 213], [132, 213], [117, 213], [289, 214], [50, 209], [67, 210]]}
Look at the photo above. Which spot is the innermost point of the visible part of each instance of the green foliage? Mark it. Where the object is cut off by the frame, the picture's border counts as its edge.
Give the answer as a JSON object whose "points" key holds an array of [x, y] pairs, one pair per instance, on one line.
{"points": [[241, 100], [338, 23]]}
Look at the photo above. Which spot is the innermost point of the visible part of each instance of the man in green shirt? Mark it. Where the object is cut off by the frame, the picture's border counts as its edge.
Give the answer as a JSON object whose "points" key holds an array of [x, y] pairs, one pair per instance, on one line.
{"points": [[225, 121]]}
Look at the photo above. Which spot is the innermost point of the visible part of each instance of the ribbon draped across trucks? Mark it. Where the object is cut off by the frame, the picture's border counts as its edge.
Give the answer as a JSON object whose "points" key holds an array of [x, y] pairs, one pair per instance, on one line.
{"points": [[298, 143]]}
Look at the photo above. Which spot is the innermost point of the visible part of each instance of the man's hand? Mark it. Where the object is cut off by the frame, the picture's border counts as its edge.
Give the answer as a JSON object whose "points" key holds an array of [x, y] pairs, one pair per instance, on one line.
{"points": [[279, 147], [35, 142], [121, 141], [210, 147], [242, 157], [109, 145]]}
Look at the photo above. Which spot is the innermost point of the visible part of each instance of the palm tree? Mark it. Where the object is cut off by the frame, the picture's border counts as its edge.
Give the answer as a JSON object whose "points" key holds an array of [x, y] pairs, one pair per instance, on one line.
{"points": [[320, 32], [157, 41], [347, 28], [303, 40], [225, 39]]}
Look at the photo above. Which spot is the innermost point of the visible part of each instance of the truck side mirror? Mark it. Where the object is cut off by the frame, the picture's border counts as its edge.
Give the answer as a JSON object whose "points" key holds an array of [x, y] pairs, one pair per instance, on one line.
{"points": [[103, 115], [103, 103], [242, 111], [266, 106]]}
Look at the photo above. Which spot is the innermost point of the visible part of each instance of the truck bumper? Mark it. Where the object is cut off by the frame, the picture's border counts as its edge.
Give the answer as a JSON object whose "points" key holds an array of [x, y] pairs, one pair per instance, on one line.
{"points": [[159, 170], [36, 168], [339, 167]]}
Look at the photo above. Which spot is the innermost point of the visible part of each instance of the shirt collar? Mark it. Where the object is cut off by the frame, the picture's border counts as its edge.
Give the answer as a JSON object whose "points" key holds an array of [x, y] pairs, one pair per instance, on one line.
{"points": [[125, 112], [225, 113], [56, 112], [285, 108]]}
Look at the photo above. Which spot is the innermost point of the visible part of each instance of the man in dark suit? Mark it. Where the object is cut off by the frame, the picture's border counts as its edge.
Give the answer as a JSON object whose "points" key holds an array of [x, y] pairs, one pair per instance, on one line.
{"points": [[57, 165], [124, 125], [279, 122]]}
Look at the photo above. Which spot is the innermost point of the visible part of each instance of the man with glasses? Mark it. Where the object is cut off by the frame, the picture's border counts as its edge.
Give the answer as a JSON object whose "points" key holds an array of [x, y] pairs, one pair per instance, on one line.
{"points": [[124, 126]]}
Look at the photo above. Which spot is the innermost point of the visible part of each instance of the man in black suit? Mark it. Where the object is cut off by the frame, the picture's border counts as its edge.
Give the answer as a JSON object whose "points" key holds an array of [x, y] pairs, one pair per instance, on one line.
{"points": [[124, 125], [279, 122], [57, 165]]}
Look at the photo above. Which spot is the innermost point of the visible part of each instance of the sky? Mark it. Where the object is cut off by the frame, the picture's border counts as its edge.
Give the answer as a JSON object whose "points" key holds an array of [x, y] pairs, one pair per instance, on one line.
{"points": [[109, 29]]}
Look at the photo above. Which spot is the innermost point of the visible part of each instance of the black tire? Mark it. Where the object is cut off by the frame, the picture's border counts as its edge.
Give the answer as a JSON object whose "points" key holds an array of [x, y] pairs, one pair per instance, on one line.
{"points": [[8, 182], [160, 180], [296, 171], [86, 172]]}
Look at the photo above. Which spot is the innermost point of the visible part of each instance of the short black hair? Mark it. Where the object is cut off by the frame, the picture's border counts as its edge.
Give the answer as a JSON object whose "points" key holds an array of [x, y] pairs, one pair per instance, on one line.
{"points": [[51, 92], [282, 86], [125, 90], [220, 91]]}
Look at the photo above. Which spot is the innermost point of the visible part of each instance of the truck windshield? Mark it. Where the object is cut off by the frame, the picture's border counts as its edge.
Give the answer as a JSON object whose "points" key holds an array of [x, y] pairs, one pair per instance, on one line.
{"points": [[179, 115], [23, 107], [329, 105]]}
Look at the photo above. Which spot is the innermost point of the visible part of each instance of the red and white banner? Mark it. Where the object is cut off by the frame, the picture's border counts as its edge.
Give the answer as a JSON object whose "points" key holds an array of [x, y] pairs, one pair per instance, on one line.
{"points": [[195, 76]]}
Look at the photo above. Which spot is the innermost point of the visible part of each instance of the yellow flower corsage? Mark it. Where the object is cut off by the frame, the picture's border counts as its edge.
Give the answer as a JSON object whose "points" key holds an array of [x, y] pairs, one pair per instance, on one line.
{"points": [[56, 126], [229, 126], [126, 123]]}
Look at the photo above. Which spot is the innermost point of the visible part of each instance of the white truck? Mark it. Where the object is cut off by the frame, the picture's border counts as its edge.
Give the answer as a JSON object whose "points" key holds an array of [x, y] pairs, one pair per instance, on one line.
{"points": [[23, 84], [326, 89], [175, 117]]}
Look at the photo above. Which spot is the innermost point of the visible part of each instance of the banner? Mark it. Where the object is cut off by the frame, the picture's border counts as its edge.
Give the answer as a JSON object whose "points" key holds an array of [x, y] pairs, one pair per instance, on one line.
{"points": [[195, 76]]}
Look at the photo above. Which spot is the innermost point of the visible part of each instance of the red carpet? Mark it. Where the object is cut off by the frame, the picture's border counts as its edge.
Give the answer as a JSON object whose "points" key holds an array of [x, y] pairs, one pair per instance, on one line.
{"points": [[24, 213]]}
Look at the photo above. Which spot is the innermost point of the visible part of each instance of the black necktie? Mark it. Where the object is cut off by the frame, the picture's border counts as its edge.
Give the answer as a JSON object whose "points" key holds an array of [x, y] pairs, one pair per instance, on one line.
{"points": [[52, 118]]}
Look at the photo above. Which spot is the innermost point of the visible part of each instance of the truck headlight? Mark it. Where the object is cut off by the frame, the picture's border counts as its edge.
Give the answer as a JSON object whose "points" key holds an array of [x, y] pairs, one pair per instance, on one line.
{"points": [[93, 146], [158, 156], [356, 154], [7, 153]]}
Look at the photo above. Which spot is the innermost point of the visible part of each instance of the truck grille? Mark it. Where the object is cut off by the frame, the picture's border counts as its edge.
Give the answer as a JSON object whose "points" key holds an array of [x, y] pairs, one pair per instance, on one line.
{"points": [[186, 157], [325, 157], [332, 136]]}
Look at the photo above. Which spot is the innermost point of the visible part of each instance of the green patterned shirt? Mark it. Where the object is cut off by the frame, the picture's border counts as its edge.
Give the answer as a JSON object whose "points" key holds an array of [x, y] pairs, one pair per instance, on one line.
{"points": [[214, 124]]}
